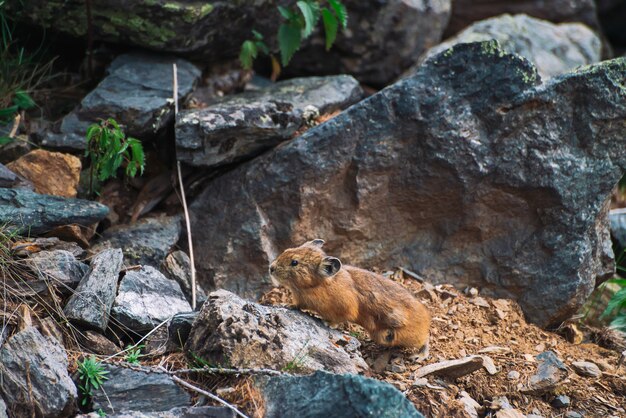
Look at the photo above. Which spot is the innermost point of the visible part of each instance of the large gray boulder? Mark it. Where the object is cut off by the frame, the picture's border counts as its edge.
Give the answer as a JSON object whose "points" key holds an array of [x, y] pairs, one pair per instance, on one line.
{"points": [[34, 374], [553, 49], [324, 394], [470, 172], [32, 213], [383, 37], [137, 93], [241, 126], [237, 333]]}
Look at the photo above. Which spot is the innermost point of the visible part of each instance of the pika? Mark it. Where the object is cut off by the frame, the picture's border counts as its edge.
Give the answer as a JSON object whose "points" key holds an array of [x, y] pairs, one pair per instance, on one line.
{"points": [[340, 293]]}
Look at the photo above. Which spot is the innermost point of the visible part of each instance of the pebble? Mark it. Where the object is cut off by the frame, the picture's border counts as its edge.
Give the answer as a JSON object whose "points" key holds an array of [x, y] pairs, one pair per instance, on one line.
{"points": [[586, 368], [573, 414], [561, 401], [513, 375]]}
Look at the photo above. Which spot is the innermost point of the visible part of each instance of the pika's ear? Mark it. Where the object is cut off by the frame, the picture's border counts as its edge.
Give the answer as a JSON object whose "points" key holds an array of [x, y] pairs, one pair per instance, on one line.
{"points": [[315, 243], [330, 266]]}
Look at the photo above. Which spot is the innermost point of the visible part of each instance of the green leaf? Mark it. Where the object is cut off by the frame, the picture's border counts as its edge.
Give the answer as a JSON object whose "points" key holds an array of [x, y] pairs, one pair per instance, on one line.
{"points": [[330, 27], [286, 13], [23, 100], [8, 112], [258, 36], [617, 302], [138, 154], [309, 18], [261, 46], [288, 41], [340, 11], [6, 140], [248, 54]]}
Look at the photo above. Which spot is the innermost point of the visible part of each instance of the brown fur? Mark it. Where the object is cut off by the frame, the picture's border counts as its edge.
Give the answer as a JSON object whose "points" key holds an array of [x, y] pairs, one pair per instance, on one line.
{"points": [[388, 311]]}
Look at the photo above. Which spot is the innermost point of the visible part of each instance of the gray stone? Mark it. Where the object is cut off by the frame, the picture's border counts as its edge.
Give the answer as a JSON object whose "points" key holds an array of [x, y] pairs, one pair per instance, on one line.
{"points": [[94, 342], [457, 368], [573, 414], [14, 150], [146, 298], [9, 179], [513, 375], [550, 372], [586, 368], [324, 394], [91, 302], [465, 173], [181, 412], [34, 374], [561, 401], [237, 333], [466, 12], [177, 266], [58, 267], [33, 213], [617, 217], [241, 126], [136, 93], [383, 39], [145, 242], [179, 329], [133, 390], [30, 246], [553, 49]]}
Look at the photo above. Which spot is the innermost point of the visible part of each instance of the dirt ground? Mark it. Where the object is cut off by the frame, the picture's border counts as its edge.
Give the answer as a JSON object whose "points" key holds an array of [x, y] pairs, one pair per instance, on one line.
{"points": [[465, 325]]}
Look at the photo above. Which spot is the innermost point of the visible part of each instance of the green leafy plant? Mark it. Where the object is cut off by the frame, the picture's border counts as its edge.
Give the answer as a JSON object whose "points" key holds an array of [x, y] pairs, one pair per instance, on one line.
{"points": [[298, 24], [132, 356], [616, 307], [92, 375], [101, 413], [109, 148], [298, 361]]}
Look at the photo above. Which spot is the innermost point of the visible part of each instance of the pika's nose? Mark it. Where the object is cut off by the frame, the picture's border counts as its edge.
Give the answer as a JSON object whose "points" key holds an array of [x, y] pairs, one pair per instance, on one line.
{"points": [[272, 268]]}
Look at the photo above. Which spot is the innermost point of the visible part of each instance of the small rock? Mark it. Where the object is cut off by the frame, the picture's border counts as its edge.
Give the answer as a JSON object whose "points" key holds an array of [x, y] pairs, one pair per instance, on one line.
{"points": [[97, 343], [573, 414], [550, 372], [15, 149], [501, 402], [381, 362], [509, 413], [156, 343], [133, 390], [28, 246], [494, 349], [325, 394], [471, 291], [145, 242], [561, 401], [38, 165], [586, 368], [33, 213], [472, 408], [34, 376], [457, 368], [246, 334], [94, 296], [179, 329], [177, 266], [479, 301], [59, 268], [397, 368], [540, 347], [513, 375], [420, 381], [146, 298]]}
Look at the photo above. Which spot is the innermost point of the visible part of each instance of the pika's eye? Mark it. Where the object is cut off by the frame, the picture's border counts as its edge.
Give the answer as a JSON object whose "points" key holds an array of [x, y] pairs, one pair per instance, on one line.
{"points": [[294, 263]]}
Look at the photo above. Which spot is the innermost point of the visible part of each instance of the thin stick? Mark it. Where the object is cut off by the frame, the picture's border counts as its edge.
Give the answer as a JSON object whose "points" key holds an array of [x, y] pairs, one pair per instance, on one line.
{"points": [[219, 370], [16, 124], [208, 394], [182, 193]]}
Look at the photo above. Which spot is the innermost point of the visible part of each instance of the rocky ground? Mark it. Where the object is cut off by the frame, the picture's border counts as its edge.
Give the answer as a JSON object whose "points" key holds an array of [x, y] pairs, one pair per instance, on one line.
{"points": [[476, 146]]}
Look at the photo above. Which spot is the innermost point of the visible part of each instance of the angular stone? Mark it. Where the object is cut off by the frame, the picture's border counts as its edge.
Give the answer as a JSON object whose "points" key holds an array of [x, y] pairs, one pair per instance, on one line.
{"points": [[59, 268], [466, 12], [146, 298], [34, 376], [179, 330], [586, 368], [8, 179], [27, 247], [34, 213], [177, 266], [232, 331], [94, 342], [52, 173], [14, 150], [440, 154], [561, 401], [133, 390], [145, 242], [94, 296], [456, 368], [550, 372], [553, 49], [136, 93], [324, 394], [241, 126]]}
